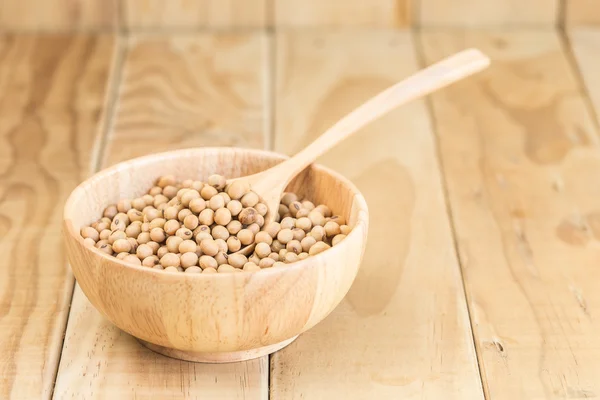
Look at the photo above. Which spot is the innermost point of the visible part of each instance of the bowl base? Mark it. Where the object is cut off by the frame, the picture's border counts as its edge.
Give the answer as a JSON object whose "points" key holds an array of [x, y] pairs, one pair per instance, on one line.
{"points": [[217, 357]]}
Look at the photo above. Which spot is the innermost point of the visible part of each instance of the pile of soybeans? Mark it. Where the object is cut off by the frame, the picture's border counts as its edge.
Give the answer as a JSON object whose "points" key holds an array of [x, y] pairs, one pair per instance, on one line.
{"points": [[199, 227]]}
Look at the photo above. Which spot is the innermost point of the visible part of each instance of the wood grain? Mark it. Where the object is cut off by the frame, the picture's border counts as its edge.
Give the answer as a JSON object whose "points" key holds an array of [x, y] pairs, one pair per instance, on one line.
{"points": [[188, 90], [521, 159], [51, 95], [191, 90], [316, 13], [585, 44], [582, 12], [159, 14], [58, 14], [403, 329], [486, 13]]}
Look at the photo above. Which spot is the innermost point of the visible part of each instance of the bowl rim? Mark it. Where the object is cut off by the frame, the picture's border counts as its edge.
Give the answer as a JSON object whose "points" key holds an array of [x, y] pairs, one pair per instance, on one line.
{"points": [[362, 221]]}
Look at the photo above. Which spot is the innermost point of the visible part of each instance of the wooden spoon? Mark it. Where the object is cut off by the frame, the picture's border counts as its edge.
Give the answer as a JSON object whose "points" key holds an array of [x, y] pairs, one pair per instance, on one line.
{"points": [[271, 183]]}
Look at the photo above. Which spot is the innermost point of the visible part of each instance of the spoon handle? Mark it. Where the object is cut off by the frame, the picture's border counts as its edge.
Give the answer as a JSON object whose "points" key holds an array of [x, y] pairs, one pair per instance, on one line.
{"points": [[427, 80]]}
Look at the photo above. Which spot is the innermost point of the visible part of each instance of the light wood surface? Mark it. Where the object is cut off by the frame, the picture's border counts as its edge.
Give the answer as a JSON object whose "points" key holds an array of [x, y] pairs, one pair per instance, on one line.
{"points": [[50, 15], [164, 14], [582, 12], [403, 330], [47, 131], [191, 90], [585, 43], [169, 15], [521, 159], [156, 113], [337, 13], [488, 13], [519, 148]]}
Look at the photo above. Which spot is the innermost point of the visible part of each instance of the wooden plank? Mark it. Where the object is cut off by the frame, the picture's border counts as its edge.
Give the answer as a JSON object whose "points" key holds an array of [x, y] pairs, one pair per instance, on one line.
{"points": [[485, 13], [177, 91], [585, 43], [58, 14], [157, 14], [403, 329], [582, 12], [191, 91], [52, 91], [311, 13], [521, 160]]}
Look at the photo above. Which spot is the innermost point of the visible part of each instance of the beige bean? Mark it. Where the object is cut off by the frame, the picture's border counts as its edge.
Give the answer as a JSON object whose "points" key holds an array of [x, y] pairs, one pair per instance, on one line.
{"points": [[262, 250], [337, 239], [288, 198], [209, 247], [184, 233], [225, 268], [245, 236], [332, 229], [150, 261], [235, 207], [144, 251], [222, 216], [170, 260], [237, 260], [288, 223], [197, 205], [187, 246], [171, 227], [158, 235], [220, 232], [294, 246], [261, 208], [234, 227], [277, 245], [189, 259], [206, 217], [250, 199], [238, 189], [251, 267], [208, 262], [316, 218], [208, 192], [157, 223], [318, 248], [173, 243], [191, 222], [89, 232], [266, 262], [263, 237], [233, 244], [345, 229], [166, 180]]}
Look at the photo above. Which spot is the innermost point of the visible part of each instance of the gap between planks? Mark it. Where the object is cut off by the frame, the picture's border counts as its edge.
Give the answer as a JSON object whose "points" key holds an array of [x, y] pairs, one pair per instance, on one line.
{"points": [[97, 154], [501, 156], [420, 55]]}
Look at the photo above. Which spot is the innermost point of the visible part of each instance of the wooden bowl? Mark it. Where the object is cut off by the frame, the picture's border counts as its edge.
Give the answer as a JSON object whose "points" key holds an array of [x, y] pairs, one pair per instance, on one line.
{"points": [[220, 317]]}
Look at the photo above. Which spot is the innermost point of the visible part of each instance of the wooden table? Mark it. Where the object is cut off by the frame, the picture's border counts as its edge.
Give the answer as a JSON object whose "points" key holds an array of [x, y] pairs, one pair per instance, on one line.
{"points": [[481, 277]]}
